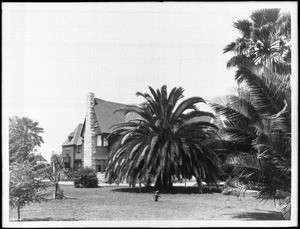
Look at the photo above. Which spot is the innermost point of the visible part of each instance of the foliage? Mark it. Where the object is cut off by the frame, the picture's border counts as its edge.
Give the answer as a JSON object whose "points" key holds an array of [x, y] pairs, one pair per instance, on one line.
{"points": [[264, 41], [168, 139], [24, 136], [255, 126], [86, 178], [40, 166], [25, 185]]}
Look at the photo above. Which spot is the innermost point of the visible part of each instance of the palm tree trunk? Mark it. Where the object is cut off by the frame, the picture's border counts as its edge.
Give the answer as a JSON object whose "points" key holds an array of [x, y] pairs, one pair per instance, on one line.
{"points": [[55, 182], [199, 182], [158, 183], [166, 183], [140, 185], [19, 213]]}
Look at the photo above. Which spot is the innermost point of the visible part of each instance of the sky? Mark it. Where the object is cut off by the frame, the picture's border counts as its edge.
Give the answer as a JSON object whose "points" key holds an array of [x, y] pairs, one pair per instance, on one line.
{"points": [[53, 54]]}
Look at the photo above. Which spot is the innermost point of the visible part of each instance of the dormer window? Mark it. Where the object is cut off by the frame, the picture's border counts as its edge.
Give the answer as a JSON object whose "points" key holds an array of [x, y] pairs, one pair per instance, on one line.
{"points": [[71, 135]]}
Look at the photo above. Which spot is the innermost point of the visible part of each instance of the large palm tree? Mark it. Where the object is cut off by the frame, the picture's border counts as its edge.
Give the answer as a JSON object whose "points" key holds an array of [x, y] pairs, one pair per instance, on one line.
{"points": [[256, 124], [167, 141], [264, 41], [256, 130]]}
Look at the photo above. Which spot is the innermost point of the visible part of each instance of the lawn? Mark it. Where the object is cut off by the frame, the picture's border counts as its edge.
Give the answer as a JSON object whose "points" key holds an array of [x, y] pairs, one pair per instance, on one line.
{"points": [[112, 202]]}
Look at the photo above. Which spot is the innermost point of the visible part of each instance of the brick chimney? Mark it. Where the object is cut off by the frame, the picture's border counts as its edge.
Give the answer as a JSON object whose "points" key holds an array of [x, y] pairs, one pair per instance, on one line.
{"points": [[89, 135]]}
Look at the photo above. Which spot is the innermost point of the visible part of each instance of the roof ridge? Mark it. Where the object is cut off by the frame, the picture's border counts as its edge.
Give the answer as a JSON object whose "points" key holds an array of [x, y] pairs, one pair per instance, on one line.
{"points": [[77, 131], [111, 102]]}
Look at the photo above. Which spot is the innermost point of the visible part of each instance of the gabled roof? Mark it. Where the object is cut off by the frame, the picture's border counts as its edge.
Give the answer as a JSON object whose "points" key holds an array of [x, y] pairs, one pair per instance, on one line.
{"points": [[74, 137], [39, 158], [106, 116]]}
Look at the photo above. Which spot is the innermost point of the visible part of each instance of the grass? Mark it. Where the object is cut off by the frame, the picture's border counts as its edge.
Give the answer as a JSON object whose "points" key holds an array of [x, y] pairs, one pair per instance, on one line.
{"points": [[124, 203]]}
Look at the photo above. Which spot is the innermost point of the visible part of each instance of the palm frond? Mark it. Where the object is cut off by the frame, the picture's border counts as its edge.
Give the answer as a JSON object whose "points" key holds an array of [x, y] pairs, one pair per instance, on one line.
{"points": [[230, 47], [185, 105], [244, 26]]}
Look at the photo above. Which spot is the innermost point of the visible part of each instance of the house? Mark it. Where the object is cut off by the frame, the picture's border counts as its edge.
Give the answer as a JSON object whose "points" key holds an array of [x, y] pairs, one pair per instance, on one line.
{"points": [[39, 159], [88, 145], [72, 149]]}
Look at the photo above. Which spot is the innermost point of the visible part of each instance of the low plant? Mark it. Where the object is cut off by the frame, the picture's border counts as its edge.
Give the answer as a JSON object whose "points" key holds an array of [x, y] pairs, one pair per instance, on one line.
{"points": [[86, 178]]}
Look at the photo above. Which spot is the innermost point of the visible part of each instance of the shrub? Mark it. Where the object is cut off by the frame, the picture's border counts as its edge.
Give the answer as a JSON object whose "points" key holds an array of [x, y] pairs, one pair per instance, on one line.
{"points": [[86, 178]]}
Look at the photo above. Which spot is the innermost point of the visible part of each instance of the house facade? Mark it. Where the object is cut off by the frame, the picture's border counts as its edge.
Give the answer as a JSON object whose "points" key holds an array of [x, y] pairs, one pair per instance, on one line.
{"points": [[88, 145], [72, 149]]}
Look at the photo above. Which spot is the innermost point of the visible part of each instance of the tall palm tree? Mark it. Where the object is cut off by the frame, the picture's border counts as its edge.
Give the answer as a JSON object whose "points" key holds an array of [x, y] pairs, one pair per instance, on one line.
{"points": [[256, 124], [168, 140], [264, 41]]}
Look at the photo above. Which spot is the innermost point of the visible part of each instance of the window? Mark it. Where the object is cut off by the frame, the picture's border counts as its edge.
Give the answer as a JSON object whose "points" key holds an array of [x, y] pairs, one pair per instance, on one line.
{"points": [[102, 140], [79, 149], [77, 164], [101, 166], [99, 140]]}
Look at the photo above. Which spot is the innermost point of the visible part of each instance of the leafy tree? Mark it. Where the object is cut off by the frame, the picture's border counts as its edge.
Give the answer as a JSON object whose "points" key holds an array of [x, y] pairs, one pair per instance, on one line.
{"points": [[25, 185], [24, 136], [255, 126], [169, 139]]}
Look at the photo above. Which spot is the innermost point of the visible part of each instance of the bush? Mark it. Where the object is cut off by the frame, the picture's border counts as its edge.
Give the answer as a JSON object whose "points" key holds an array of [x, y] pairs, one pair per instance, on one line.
{"points": [[86, 178]]}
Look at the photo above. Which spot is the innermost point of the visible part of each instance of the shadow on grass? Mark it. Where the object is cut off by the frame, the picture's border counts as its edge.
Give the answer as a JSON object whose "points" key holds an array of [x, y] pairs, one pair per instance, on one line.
{"points": [[47, 219], [173, 190], [88, 187], [268, 215]]}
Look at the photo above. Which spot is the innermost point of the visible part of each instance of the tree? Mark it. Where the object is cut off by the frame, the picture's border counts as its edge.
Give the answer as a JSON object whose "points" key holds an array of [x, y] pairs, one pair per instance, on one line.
{"points": [[25, 185], [256, 130], [53, 173], [256, 124], [167, 140], [24, 136], [264, 41]]}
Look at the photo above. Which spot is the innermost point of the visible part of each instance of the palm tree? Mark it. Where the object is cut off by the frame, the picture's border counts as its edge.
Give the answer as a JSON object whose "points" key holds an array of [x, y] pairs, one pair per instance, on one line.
{"points": [[168, 140], [24, 136], [256, 131], [255, 126], [264, 41]]}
